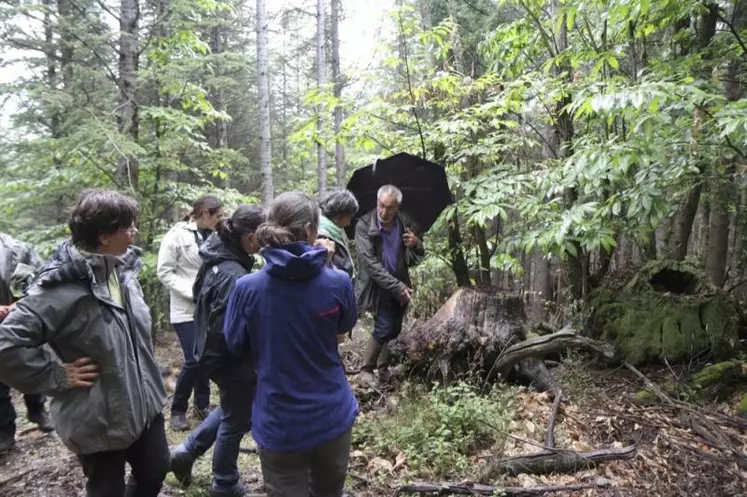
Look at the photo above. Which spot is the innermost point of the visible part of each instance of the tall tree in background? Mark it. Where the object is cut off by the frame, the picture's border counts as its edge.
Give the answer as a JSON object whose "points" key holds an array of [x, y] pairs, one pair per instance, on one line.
{"points": [[337, 81], [127, 166], [265, 150], [321, 153]]}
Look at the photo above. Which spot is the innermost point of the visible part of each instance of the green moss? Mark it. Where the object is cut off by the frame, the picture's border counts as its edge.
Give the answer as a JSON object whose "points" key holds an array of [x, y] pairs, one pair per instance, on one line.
{"points": [[645, 398], [673, 317], [742, 406], [714, 373]]}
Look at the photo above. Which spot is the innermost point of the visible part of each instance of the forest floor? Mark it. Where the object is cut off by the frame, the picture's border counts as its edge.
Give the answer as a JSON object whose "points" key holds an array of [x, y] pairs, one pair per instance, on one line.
{"points": [[599, 413]]}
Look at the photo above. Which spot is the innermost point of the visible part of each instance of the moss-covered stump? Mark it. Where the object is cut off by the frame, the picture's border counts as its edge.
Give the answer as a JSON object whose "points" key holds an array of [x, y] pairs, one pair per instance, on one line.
{"points": [[667, 310]]}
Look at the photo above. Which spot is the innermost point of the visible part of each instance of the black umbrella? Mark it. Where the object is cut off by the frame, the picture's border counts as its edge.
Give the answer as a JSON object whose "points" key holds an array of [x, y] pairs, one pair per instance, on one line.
{"points": [[425, 189]]}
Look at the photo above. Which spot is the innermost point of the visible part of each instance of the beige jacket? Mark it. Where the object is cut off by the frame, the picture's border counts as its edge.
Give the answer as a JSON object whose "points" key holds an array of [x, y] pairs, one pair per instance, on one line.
{"points": [[178, 263]]}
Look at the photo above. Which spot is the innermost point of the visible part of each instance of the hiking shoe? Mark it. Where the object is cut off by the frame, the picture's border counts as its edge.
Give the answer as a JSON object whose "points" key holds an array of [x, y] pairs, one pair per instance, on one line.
{"points": [[181, 465], [201, 414], [43, 420], [7, 442], [239, 490], [179, 421], [384, 375], [366, 378]]}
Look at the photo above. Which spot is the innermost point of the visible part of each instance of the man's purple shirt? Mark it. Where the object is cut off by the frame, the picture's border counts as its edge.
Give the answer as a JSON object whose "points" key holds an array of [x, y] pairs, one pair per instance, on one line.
{"points": [[391, 239]]}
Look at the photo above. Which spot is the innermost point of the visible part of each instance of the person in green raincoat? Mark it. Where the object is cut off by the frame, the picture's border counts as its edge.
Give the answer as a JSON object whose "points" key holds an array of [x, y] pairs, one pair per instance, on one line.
{"points": [[338, 209]]}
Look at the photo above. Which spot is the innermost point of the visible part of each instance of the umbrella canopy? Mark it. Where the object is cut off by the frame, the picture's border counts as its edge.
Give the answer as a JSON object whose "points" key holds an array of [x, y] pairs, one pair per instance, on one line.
{"points": [[425, 189]]}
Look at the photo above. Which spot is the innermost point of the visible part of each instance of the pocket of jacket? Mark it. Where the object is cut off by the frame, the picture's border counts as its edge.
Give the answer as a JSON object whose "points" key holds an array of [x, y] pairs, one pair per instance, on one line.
{"points": [[81, 414]]}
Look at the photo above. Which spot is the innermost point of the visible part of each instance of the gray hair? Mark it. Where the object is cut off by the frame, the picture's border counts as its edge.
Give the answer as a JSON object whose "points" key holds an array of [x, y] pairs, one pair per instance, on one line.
{"points": [[390, 190], [287, 219], [337, 203]]}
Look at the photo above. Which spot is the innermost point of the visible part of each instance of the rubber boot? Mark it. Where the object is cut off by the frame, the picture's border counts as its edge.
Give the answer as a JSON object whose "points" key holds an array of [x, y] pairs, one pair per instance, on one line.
{"points": [[385, 359], [370, 357]]}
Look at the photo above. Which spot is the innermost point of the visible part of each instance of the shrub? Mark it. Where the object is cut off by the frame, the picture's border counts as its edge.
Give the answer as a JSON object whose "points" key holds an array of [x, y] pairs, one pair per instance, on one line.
{"points": [[439, 430]]}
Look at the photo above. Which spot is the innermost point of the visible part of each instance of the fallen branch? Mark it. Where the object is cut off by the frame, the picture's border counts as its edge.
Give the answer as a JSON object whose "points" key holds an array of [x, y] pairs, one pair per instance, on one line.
{"points": [[697, 420], [549, 344], [550, 461], [477, 489]]}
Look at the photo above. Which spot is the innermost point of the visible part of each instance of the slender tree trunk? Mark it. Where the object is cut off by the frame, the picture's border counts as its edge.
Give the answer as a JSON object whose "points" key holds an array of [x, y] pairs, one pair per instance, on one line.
{"points": [[265, 137], [321, 153], [456, 39], [683, 225], [576, 266], [426, 22], [127, 166], [723, 179], [337, 79]]}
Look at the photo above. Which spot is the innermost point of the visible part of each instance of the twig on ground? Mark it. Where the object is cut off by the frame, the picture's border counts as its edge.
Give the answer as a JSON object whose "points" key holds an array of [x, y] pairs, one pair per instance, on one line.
{"points": [[477, 489]]}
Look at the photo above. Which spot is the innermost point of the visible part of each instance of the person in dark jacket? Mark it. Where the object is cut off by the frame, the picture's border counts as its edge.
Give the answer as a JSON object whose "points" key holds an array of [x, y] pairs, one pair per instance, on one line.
{"points": [[289, 318], [227, 256], [387, 246], [18, 263], [338, 209], [107, 392]]}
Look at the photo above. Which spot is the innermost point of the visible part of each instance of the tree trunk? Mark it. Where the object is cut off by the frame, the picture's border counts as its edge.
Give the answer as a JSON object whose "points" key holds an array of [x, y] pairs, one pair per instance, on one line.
{"points": [[265, 146], [723, 181], [541, 288], [456, 252], [337, 92], [426, 24], [484, 252], [683, 225], [127, 166], [321, 153], [456, 39]]}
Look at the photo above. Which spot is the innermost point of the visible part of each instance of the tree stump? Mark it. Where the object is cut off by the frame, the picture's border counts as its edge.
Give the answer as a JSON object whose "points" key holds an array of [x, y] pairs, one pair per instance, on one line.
{"points": [[668, 311], [467, 335]]}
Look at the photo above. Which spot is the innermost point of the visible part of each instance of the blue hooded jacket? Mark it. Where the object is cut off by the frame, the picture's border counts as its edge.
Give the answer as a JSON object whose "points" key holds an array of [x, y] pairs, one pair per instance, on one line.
{"points": [[286, 317]]}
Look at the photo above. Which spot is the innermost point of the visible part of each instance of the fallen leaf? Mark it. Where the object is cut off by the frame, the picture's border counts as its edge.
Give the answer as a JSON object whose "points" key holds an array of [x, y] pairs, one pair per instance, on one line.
{"points": [[399, 461], [379, 463], [529, 426]]}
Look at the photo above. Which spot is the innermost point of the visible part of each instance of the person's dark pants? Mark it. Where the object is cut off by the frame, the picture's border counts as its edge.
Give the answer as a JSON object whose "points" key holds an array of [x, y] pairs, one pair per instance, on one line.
{"points": [[34, 406], [388, 319], [148, 457], [226, 425], [319, 472], [191, 378]]}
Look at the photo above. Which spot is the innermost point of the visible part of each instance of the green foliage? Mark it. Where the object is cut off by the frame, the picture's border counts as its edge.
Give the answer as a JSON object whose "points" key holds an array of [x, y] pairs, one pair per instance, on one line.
{"points": [[433, 282], [439, 429]]}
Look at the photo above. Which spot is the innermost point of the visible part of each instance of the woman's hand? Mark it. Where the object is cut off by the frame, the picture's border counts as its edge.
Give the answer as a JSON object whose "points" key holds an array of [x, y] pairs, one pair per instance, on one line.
{"points": [[81, 373], [327, 244]]}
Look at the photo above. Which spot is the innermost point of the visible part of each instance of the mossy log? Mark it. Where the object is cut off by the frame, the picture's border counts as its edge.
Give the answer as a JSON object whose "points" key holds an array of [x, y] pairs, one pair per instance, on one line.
{"points": [[667, 311]]}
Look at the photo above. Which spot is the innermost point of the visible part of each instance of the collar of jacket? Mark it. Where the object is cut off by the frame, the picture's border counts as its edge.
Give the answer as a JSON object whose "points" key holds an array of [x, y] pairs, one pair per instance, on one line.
{"points": [[373, 227], [70, 264]]}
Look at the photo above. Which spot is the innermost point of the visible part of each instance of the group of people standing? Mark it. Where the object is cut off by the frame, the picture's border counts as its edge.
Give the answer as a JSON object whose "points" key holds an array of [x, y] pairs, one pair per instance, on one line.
{"points": [[268, 338]]}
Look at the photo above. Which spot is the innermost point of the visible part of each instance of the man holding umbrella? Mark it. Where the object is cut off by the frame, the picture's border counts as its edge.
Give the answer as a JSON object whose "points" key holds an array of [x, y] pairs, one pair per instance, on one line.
{"points": [[387, 246]]}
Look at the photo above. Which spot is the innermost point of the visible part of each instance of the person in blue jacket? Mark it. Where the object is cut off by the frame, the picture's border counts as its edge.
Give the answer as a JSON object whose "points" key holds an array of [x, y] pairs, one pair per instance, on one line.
{"points": [[289, 318]]}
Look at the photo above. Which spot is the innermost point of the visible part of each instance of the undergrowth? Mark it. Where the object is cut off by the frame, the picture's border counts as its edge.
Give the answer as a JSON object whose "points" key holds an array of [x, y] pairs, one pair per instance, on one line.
{"points": [[441, 431]]}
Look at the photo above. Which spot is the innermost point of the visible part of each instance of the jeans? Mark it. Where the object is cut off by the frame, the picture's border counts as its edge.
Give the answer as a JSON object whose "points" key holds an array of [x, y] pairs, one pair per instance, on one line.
{"points": [[191, 378], [34, 405], [319, 472], [226, 425], [388, 319], [148, 457]]}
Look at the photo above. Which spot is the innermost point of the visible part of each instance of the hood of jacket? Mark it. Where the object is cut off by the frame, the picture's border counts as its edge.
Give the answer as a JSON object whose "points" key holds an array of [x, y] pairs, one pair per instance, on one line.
{"points": [[214, 251], [68, 264], [295, 261]]}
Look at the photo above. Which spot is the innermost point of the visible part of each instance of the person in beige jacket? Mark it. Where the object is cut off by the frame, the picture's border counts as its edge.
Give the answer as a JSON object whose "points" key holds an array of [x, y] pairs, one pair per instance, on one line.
{"points": [[178, 264]]}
